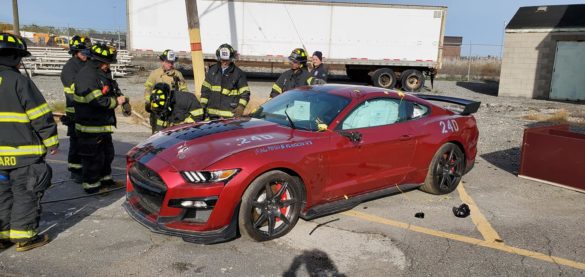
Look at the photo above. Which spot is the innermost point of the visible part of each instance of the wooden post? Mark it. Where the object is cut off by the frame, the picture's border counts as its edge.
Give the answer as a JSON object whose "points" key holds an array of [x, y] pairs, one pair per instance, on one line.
{"points": [[195, 41], [16, 23]]}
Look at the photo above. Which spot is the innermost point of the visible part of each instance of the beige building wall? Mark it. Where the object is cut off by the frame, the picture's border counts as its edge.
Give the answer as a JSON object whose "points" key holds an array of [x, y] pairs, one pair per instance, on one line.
{"points": [[528, 62]]}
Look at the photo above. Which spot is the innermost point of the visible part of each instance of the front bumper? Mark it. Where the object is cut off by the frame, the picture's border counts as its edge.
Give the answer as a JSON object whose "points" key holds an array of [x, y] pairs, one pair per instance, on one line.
{"points": [[151, 198], [205, 237]]}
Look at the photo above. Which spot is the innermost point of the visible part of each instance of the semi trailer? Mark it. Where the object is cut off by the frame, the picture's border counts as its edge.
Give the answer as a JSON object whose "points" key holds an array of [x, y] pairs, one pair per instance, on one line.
{"points": [[388, 45]]}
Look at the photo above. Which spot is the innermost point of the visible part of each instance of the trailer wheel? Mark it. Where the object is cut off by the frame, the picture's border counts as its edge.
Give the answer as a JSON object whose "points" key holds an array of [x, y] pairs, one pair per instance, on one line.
{"points": [[384, 78], [412, 80]]}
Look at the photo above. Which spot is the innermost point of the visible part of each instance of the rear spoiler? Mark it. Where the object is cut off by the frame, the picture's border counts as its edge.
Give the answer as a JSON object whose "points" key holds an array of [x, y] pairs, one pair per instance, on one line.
{"points": [[469, 106]]}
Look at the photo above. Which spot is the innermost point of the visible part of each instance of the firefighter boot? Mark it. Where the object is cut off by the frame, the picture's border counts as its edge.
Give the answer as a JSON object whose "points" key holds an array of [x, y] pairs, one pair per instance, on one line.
{"points": [[35, 242]]}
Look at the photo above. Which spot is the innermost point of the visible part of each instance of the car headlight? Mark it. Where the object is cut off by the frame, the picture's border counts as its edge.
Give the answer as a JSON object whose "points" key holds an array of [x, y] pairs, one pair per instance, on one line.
{"points": [[208, 176]]}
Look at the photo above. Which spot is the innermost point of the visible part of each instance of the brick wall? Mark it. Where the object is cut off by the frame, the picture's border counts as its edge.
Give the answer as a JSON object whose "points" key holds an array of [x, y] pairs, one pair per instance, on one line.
{"points": [[451, 52]]}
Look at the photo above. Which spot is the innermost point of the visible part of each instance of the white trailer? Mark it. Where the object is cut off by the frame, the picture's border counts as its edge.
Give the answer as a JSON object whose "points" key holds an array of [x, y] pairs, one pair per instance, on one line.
{"points": [[380, 42]]}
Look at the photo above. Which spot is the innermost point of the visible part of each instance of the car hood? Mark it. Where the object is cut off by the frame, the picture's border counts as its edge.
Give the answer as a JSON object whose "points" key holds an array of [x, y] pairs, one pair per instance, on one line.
{"points": [[196, 146]]}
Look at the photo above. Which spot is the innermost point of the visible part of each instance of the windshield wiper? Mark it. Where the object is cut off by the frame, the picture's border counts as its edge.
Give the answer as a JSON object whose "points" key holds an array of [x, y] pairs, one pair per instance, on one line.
{"points": [[292, 125]]}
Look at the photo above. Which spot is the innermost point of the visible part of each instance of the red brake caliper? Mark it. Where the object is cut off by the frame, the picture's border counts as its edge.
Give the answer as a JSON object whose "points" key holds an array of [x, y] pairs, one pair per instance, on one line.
{"points": [[282, 198]]}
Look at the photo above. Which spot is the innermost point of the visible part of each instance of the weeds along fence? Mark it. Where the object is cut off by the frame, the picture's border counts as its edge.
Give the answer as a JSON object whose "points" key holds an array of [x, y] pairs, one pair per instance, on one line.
{"points": [[471, 69], [50, 61], [476, 62]]}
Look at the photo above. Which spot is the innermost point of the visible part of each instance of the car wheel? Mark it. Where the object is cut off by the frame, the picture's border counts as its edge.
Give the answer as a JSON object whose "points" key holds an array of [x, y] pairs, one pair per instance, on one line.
{"points": [[270, 206], [412, 80], [445, 171], [384, 78]]}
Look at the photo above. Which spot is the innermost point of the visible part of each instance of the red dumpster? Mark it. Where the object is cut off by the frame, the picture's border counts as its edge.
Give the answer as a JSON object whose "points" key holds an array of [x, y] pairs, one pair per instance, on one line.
{"points": [[554, 155]]}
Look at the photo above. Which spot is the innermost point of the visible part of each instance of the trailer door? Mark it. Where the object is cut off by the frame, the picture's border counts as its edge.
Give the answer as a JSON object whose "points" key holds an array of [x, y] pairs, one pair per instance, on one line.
{"points": [[568, 79]]}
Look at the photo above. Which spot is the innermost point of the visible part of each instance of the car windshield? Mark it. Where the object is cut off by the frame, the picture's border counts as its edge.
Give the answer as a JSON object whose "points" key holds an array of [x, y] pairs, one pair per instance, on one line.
{"points": [[302, 109]]}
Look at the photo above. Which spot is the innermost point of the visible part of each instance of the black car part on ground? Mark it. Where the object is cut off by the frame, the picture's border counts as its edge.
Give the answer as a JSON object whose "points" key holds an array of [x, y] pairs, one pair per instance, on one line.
{"points": [[461, 211]]}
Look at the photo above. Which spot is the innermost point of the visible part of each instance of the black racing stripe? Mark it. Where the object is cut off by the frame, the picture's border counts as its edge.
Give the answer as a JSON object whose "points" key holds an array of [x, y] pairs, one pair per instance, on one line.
{"points": [[174, 137]]}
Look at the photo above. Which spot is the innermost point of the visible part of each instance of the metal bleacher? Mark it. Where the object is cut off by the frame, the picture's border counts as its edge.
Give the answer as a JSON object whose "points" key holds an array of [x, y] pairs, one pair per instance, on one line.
{"points": [[50, 61]]}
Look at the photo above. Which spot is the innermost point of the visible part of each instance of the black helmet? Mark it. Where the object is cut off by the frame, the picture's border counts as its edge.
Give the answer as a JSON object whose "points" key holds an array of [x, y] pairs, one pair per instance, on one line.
{"points": [[160, 97], [10, 44], [225, 52], [103, 53], [168, 55], [299, 55], [79, 43]]}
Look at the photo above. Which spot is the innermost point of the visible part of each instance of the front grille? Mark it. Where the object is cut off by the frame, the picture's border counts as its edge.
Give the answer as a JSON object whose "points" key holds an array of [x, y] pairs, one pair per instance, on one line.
{"points": [[148, 186]]}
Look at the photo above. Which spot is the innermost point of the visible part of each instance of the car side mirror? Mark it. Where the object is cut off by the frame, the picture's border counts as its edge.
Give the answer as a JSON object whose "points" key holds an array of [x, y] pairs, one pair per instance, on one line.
{"points": [[352, 136]]}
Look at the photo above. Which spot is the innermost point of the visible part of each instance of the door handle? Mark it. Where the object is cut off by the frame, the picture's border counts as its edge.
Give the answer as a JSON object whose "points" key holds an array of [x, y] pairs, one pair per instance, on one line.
{"points": [[406, 137]]}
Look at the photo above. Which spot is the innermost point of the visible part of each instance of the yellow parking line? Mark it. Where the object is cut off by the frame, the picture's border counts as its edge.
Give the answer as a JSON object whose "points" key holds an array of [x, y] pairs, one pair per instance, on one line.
{"points": [[483, 226], [469, 240]]}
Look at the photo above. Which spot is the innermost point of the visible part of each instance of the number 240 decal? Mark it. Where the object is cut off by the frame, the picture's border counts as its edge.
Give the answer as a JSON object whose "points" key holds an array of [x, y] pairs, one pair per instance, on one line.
{"points": [[448, 126], [246, 140]]}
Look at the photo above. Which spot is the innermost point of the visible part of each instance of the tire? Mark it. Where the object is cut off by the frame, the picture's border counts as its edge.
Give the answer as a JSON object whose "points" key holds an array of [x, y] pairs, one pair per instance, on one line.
{"points": [[444, 176], [262, 220], [412, 80], [384, 78]]}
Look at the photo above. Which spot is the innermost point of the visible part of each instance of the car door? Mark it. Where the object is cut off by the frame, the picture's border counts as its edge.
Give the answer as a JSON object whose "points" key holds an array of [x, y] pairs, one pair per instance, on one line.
{"points": [[374, 149]]}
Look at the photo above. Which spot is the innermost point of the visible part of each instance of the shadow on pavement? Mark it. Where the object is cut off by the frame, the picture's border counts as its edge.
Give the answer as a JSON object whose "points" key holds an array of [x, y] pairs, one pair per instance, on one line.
{"points": [[487, 88], [58, 216], [507, 160], [316, 262]]}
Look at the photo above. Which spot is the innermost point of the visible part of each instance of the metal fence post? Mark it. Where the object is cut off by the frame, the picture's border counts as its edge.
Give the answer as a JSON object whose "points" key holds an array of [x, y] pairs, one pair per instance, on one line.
{"points": [[469, 63]]}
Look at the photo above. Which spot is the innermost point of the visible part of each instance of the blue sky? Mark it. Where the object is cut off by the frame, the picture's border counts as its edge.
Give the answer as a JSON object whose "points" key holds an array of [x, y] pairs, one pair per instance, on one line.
{"points": [[478, 22]]}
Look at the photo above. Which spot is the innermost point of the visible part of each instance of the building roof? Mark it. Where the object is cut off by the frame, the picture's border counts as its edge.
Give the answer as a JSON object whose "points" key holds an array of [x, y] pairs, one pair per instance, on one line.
{"points": [[453, 41], [548, 17]]}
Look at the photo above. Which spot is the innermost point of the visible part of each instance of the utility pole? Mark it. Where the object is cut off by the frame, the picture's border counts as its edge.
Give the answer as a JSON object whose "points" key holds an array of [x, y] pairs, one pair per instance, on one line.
{"points": [[16, 24], [195, 42]]}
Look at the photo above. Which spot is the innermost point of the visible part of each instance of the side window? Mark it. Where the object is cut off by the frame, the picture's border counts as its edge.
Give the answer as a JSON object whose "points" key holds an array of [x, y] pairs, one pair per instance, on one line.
{"points": [[376, 112], [419, 110]]}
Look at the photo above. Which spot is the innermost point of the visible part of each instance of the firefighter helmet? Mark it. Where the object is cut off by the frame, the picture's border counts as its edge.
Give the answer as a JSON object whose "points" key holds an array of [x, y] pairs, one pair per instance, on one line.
{"points": [[225, 52], [160, 97], [10, 43], [79, 43], [299, 55], [168, 55], [103, 53]]}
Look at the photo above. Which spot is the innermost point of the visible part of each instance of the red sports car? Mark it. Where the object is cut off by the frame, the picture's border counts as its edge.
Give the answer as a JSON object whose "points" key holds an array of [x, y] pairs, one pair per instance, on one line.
{"points": [[309, 152]]}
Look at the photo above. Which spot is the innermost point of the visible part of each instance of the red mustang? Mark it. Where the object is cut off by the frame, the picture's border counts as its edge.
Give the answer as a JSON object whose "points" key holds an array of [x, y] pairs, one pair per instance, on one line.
{"points": [[309, 152]]}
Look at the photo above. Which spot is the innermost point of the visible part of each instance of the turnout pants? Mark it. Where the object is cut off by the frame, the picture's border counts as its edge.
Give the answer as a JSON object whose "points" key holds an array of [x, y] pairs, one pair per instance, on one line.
{"points": [[21, 190], [73, 158], [153, 122], [97, 154]]}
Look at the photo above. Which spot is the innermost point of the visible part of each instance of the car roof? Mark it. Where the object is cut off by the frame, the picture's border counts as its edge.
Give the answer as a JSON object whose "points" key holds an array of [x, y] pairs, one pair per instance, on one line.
{"points": [[356, 91]]}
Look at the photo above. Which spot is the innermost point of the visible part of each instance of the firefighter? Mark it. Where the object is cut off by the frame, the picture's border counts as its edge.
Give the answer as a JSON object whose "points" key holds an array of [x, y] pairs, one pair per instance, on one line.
{"points": [[225, 92], [165, 74], [95, 100], [173, 107], [28, 133], [79, 49], [298, 74], [319, 70]]}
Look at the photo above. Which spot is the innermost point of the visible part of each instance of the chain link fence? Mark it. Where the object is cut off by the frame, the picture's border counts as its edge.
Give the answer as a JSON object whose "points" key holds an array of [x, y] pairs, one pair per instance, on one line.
{"points": [[477, 62], [38, 35]]}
